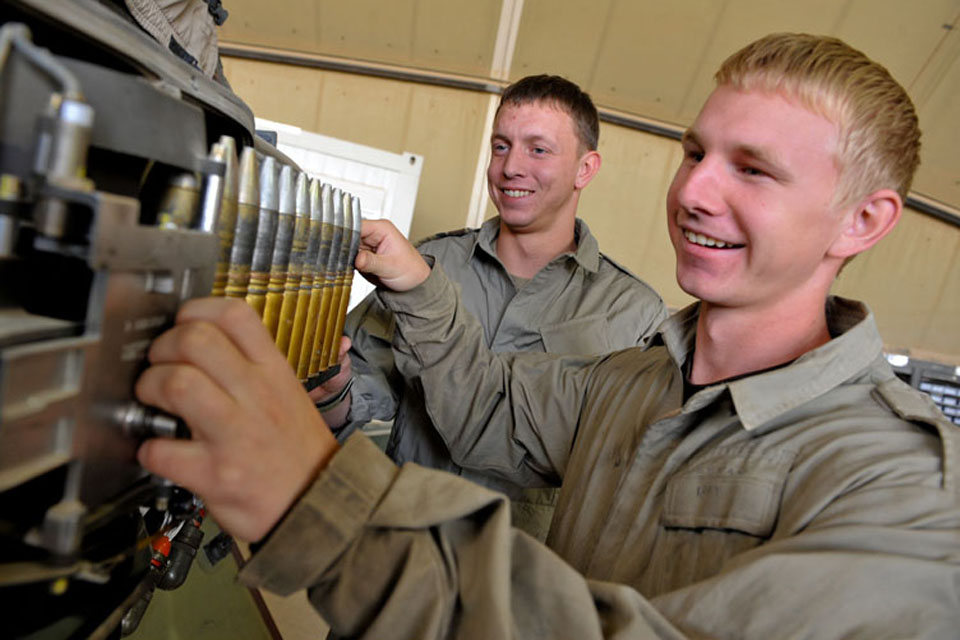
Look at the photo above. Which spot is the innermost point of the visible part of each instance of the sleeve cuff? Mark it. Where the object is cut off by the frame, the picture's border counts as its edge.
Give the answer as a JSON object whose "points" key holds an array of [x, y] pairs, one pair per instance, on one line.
{"points": [[427, 294], [324, 521]]}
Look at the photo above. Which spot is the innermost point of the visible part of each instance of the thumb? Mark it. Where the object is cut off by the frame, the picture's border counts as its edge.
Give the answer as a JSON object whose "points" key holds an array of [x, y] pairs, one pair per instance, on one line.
{"points": [[369, 264]]}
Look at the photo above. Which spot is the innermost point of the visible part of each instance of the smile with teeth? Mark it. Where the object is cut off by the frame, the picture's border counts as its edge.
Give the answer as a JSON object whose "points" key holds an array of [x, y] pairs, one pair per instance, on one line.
{"points": [[517, 193], [707, 241]]}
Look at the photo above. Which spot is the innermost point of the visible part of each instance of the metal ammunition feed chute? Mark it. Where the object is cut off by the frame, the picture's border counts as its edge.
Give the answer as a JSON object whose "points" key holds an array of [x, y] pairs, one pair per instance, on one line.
{"points": [[129, 183]]}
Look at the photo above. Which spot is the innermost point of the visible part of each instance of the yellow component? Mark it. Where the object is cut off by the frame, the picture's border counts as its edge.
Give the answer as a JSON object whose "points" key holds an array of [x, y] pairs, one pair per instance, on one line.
{"points": [[9, 187], [59, 586]]}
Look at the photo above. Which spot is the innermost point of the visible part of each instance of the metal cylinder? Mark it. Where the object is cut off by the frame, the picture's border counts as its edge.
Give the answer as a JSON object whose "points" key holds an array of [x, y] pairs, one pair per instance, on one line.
{"points": [[180, 202], [227, 221], [297, 271], [329, 320], [282, 248], [62, 160], [310, 355], [71, 140], [266, 236], [312, 334], [245, 234], [341, 315], [212, 192]]}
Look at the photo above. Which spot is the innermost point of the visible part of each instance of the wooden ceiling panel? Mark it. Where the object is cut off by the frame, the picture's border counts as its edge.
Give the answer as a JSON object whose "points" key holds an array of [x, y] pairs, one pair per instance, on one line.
{"points": [[367, 29], [939, 174], [740, 23], [446, 35], [562, 42], [902, 36], [651, 54], [287, 25], [456, 36]]}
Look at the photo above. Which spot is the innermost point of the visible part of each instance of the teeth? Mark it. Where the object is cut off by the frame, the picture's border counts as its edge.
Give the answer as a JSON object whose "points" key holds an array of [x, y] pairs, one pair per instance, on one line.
{"points": [[705, 241], [517, 193]]}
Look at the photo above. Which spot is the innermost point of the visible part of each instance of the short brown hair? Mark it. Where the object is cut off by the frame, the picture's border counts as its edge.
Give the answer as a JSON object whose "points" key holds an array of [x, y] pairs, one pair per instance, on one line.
{"points": [[879, 143], [561, 93]]}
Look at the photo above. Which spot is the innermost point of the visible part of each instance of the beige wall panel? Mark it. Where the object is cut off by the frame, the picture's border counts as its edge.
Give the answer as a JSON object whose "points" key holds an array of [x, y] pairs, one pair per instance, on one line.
{"points": [[904, 278], [449, 35], [625, 206], [939, 174], [943, 330], [366, 110], [445, 126], [560, 41], [276, 91]]}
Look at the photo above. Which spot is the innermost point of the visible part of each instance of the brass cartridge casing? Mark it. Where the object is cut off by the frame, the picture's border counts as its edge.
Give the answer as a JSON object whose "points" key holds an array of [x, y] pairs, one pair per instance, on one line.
{"points": [[227, 222], [282, 247], [321, 357], [266, 234], [245, 234], [310, 354], [180, 202], [306, 307], [296, 270], [341, 316]]}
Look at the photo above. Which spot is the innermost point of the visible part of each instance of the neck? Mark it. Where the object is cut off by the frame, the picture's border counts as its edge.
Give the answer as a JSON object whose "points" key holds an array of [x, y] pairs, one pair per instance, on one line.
{"points": [[732, 342], [524, 253]]}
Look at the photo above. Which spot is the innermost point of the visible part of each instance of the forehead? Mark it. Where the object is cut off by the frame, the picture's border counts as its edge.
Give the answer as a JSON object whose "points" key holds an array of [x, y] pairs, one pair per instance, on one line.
{"points": [[773, 122], [541, 115]]}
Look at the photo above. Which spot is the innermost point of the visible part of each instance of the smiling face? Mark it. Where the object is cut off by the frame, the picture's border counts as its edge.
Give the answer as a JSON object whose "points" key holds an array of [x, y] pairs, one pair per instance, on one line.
{"points": [[537, 166], [750, 210]]}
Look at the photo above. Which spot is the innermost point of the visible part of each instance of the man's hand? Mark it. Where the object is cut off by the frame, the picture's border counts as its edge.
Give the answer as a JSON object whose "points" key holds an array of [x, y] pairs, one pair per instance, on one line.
{"points": [[334, 385], [387, 259], [336, 417], [257, 441]]}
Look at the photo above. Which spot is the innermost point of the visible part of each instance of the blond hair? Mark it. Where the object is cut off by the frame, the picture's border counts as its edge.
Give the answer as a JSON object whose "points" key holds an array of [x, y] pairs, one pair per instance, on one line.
{"points": [[879, 141]]}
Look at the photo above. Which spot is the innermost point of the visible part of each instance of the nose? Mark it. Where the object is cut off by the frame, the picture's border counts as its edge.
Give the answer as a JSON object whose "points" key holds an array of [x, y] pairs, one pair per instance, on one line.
{"points": [[698, 187], [513, 164]]}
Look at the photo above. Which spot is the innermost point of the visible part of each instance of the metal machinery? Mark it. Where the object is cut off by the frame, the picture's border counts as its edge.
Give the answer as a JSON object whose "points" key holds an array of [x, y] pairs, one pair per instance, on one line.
{"points": [[114, 186]]}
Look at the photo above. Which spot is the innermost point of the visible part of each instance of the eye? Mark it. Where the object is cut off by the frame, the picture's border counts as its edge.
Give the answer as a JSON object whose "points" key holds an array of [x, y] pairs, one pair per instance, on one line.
{"points": [[753, 171], [538, 151], [694, 155], [498, 147]]}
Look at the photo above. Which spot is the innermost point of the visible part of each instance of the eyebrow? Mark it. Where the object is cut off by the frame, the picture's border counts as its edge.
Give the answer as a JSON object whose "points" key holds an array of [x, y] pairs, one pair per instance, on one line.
{"points": [[534, 139], [754, 152]]}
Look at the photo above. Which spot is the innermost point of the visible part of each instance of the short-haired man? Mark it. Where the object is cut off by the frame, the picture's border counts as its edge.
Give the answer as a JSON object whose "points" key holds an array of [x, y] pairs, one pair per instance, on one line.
{"points": [[757, 472], [533, 277]]}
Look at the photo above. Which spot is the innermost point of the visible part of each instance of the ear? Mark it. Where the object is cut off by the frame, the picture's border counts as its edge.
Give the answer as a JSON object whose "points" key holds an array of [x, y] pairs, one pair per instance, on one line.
{"points": [[868, 222], [589, 165]]}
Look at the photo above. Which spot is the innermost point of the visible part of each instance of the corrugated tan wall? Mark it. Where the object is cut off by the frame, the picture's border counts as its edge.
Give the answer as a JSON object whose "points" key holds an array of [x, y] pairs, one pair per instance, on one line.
{"points": [[911, 280]]}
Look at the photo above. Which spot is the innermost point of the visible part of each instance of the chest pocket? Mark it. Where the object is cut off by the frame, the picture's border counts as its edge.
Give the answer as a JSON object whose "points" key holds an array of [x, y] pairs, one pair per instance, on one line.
{"points": [[729, 489], [584, 336]]}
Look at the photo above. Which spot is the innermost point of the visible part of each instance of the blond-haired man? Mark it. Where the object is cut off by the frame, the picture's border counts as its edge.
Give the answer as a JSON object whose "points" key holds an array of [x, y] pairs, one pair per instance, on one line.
{"points": [[758, 472]]}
